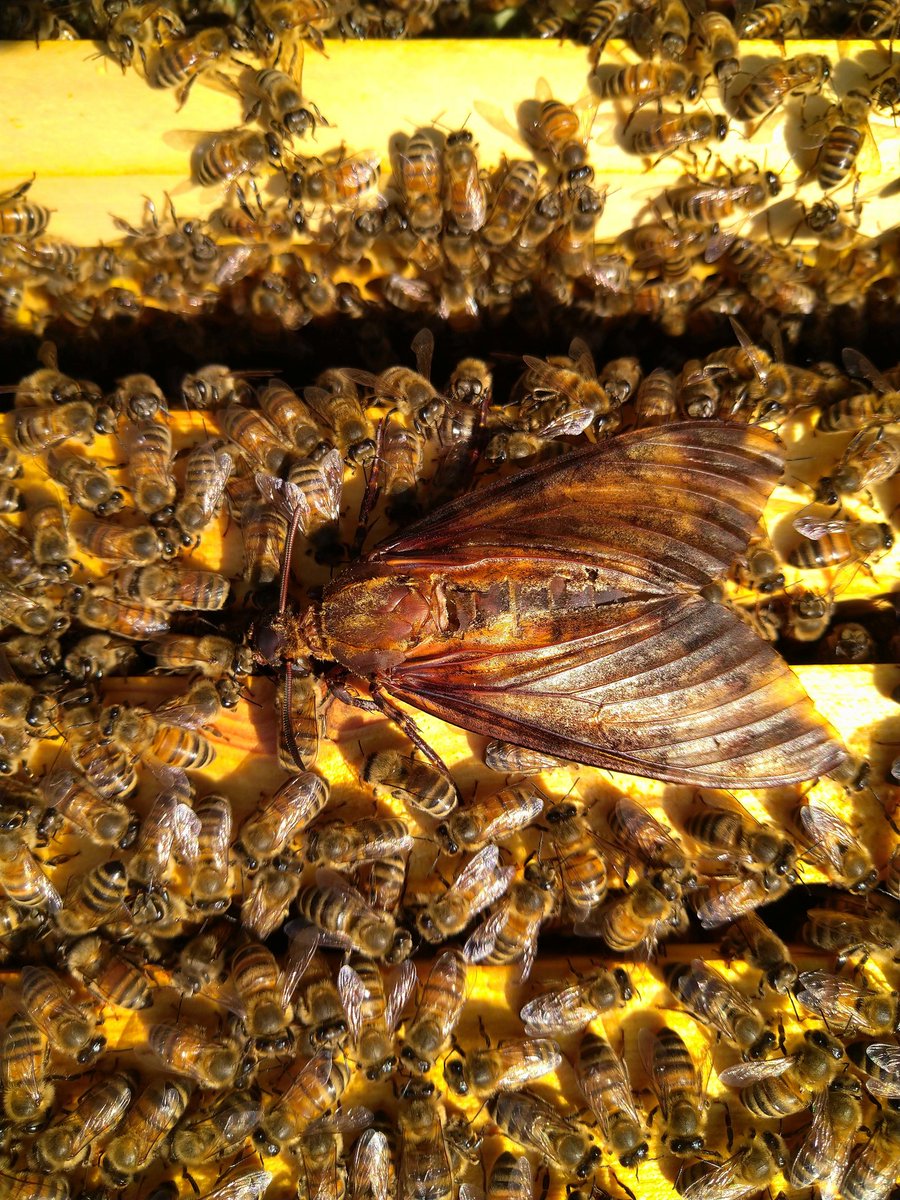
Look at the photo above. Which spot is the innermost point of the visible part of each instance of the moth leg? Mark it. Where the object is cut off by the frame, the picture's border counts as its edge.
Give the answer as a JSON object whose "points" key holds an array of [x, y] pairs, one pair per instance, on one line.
{"points": [[409, 727]]}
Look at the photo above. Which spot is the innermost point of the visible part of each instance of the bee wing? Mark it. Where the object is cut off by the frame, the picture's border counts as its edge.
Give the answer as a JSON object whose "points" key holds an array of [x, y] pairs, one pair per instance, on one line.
{"points": [[50, 899], [186, 828], [558, 1012], [29, 1078], [467, 1192], [818, 1145], [828, 834], [552, 377], [860, 367], [484, 877], [724, 1182], [283, 495], [303, 946], [423, 348], [530, 806], [482, 941], [345, 1120], [815, 528], [496, 119], [833, 998], [742, 1074], [401, 987], [568, 425], [887, 1057], [250, 1186], [242, 1120], [527, 1060], [760, 366], [744, 897], [353, 993], [386, 846], [328, 878], [659, 1079], [371, 1170], [580, 353], [643, 830]]}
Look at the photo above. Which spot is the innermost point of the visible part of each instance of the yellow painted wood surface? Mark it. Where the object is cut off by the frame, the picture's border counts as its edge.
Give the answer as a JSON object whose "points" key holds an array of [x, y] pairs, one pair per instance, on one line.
{"points": [[100, 140]]}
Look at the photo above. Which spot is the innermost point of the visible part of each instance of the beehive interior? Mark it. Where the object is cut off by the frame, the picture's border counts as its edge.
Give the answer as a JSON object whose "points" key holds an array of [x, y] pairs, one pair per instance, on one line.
{"points": [[820, 297]]}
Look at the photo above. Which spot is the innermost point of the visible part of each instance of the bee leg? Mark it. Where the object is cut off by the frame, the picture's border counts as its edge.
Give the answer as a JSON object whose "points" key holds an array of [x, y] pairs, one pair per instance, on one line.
{"points": [[373, 483]]}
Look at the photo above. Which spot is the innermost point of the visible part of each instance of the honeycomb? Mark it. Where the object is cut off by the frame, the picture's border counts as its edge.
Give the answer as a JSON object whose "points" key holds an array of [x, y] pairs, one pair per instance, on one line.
{"points": [[180, 1008]]}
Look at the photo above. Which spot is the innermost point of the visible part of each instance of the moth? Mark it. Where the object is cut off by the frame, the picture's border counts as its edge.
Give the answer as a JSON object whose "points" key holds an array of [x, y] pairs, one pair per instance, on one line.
{"points": [[563, 610]]}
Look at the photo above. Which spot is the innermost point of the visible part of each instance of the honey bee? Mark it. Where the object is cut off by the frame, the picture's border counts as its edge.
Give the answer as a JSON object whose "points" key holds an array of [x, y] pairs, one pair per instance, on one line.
{"points": [[871, 1173], [740, 838], [270, 830], [135, 26], [317, 1002], [373, 1012], [95, 899], [711, 998], [259, 440], [345, 919], [420, 179], [677, 1085], [425, 1168], [664, 134], [510, 933], [69, 1027], [848, 1006], [20, 218], [529, 1120], [805, 73], [287, 113], [22, 878], [99, 610], [603, 1078], [512, 1064], [491, 820], [635, 829], [147, 1123], [209, 655], [416, 784], [343, 844], [337, 179], [178, 590], [507, 759], [870, 457], [37, 429], [837, 850], [861, 410], [267, 900], [278, 21], [188, 1050], [210, 875], [36, 1187], [207, 471], [201, 960], [845, 933], [87, 483], [574, 1007], [266, 994], [335, 398], [315, 1087], [822, 1157], [750, 940], [67, 1140], [749, 1170], [465, 198], [638, 920], [293, 418], [841, 134], [778, 1087], [28, 614], [215, 1131], [372, 1169], [30, 655], [105, 971], [642, 83], [182, 61], [439, 1006], [709, 203], [515, 193], [410, 391], [482, 881], [106, 822], [315, 486], [114, 543], [171, 826], [718, 38], [148, 446], [24, 1060], [263, 531]]}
